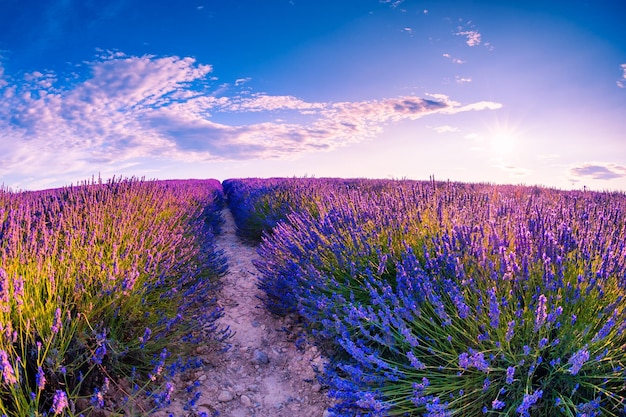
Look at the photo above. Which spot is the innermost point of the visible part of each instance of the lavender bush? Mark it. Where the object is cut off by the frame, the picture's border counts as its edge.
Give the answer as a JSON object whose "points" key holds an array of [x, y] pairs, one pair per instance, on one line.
{"points": [[459, 300], [104, 287], [259, 204]]}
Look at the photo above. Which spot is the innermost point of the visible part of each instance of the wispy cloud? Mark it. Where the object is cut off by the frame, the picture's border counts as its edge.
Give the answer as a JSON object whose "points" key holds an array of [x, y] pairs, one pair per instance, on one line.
{"points": [[621, 83], [462, 80], [392, 3], [242, 81], [513, 170], [445, 129], [3, 82], [453, 59], [129, 108], [598, 171]]}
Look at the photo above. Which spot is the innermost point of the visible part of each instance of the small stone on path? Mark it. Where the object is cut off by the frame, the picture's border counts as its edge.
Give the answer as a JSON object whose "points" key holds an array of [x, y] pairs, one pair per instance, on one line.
{"points": [[260, 357], [225, 396], [245, 400]]}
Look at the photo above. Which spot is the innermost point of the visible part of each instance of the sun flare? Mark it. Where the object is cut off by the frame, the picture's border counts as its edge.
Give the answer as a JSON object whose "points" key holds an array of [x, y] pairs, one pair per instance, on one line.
{"points": [[503, 137], [502, 141]]}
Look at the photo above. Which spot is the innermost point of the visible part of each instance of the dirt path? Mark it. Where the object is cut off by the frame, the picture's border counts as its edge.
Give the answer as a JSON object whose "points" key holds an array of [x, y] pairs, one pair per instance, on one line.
{"points": [[264, 373]]}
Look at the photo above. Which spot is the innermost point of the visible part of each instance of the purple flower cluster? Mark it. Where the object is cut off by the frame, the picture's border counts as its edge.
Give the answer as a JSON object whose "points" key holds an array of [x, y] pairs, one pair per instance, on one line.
{"points": [[474, 359], [528, 401], [577, 360]]}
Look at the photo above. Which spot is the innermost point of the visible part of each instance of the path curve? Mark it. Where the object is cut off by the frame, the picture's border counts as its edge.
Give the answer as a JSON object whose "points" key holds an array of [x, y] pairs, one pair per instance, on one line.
{"points": [[263, 373]]}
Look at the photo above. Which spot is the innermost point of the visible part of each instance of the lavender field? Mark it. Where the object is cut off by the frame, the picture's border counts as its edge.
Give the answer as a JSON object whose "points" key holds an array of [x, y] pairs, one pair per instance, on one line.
{"points": [[104, 290], [427, 298], [449, 299]]}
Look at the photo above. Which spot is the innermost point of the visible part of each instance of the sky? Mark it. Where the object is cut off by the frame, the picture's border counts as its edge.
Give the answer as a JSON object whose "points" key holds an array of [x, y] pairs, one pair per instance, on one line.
{"points": [[508, 92]]}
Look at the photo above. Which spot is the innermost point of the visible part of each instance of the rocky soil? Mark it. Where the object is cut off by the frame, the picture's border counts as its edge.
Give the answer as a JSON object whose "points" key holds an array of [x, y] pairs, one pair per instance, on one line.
{"points": [[268, 370]]}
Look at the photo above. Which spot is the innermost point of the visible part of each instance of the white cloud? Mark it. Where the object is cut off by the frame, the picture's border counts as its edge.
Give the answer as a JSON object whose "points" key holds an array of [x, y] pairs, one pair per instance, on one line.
{"points": [[621, 83], [473, 38], [392, 3], [481, 105], [262, 102], [446, 129], [241, 81], [132, 108], [463, 80]]}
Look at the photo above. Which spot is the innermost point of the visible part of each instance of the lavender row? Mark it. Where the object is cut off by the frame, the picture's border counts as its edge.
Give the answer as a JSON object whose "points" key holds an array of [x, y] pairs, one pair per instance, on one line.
{"points": [[259, 204], [444, 299], [105, 289]]}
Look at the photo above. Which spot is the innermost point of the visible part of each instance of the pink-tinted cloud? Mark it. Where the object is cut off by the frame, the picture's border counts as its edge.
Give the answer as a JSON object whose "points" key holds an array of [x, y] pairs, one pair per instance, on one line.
{"points": [[598, 171], [472, 37], [262, 102], [128, 108]]}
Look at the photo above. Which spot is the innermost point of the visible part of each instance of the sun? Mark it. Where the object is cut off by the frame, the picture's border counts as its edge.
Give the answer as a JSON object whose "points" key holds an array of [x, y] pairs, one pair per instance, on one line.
{"points": [[502, 141], [503, 137]]}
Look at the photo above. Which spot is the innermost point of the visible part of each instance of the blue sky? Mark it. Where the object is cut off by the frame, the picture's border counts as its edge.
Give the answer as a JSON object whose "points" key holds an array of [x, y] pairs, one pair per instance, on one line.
{"points": [[512, 92]]}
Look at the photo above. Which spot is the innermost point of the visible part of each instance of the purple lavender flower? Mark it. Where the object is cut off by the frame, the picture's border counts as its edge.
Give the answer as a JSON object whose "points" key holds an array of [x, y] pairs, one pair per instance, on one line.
{"points": [[40, 379], [510, 372], [4, 291], [435, 408], [369, 402], [59, 402], [464, 361], [528, 401], [56, 323], [605, 330], [8, 374], [510, 329], [577, 360], [99, 354], [97, 399], [590, 409], [486, 384], [494, 308], [497, 404], [146, 336], [476, 360], [541, 313], [18, 290], [555, 314], [416, 363]]}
